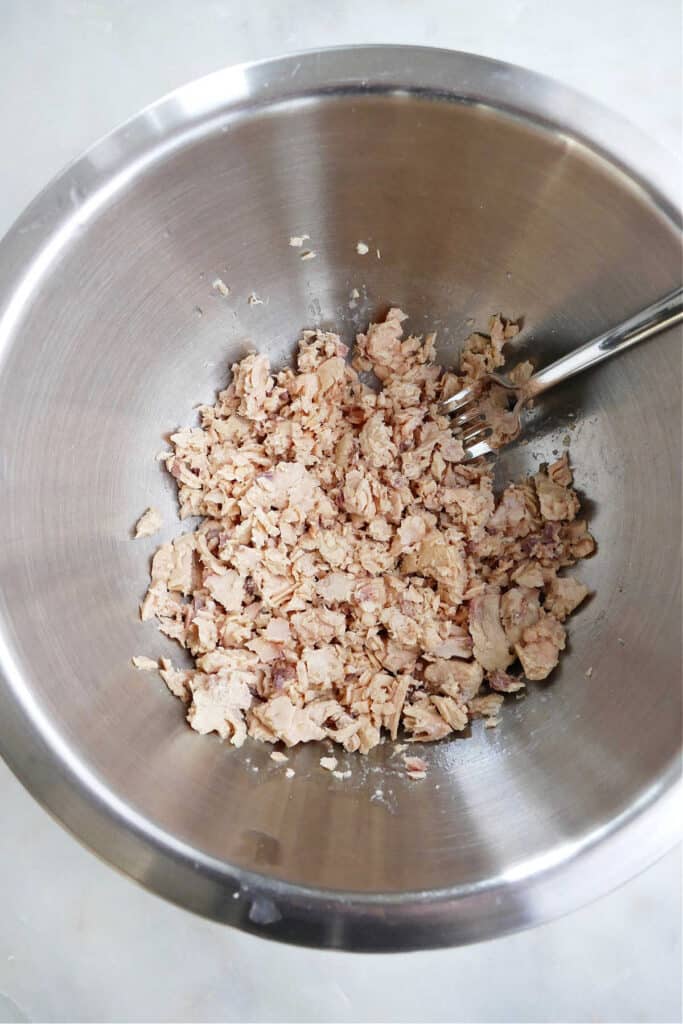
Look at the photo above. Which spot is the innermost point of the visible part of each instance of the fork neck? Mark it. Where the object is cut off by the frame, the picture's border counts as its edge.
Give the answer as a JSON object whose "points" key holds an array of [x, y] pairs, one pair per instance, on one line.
{"points": [[661, 315]]}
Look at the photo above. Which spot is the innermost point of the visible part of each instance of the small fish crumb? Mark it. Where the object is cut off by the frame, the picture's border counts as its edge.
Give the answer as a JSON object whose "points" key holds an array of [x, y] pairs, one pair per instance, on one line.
{"points": [[416, 767], [342, 775], [329, 763], [149, 523], [589, 671], [308, 254], [296, 241], [254, 300], [290, 773], [362, 249], [219, 285], [379, 254], [144, 663], [354, 294], [278, 757]]}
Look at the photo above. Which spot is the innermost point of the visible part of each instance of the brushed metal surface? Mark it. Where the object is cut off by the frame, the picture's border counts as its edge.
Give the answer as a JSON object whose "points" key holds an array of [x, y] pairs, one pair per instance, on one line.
{"points": [[485, 188]]}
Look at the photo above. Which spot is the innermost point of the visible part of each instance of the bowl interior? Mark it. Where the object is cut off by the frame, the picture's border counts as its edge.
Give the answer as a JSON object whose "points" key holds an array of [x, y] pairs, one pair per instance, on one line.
{"points": [[467, 211]]}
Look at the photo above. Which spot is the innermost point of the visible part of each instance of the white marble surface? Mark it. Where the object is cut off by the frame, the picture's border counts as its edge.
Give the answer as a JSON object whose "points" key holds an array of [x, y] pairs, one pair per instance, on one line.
{"points": [[77, 941]]}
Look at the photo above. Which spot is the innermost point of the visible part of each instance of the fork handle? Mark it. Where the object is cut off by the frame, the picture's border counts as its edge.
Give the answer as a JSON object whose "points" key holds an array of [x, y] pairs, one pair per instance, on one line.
{"points": [[661, 315]]}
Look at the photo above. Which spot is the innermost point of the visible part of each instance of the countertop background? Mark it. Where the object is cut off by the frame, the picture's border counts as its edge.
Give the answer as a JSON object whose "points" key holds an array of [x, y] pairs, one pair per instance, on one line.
{"points": [[79, 942]]}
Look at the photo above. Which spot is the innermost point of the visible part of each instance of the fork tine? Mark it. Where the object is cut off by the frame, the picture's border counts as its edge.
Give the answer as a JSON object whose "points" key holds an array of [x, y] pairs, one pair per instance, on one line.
{"points": [[458, 400], [475, 451], [470, 415], [477, 433]]}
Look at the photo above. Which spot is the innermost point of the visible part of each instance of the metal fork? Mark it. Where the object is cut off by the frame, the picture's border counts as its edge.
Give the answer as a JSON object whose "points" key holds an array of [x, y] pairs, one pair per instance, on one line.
{"points": [[470, 423]]}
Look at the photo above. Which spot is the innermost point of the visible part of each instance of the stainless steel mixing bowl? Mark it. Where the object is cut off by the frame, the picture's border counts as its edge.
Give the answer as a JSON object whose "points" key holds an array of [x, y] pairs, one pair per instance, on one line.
{"points": [[484, 188]]}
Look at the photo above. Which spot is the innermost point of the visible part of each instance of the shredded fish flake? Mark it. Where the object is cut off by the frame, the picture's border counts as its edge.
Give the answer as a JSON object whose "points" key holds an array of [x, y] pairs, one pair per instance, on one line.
{"points": [[149, 523], [145, 664], [221, 287]]}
